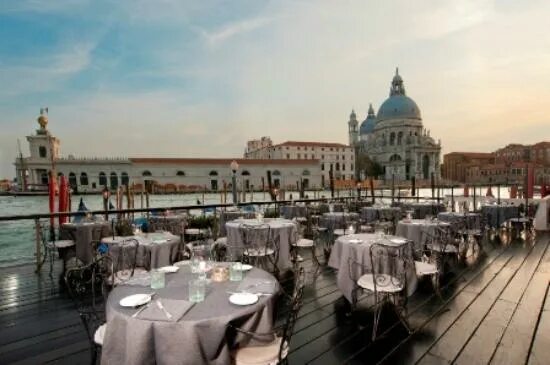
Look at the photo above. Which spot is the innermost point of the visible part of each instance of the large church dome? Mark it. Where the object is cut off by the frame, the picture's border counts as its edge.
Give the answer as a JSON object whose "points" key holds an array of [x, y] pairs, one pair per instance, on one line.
{"points": [[398, 105], [368, 124]]}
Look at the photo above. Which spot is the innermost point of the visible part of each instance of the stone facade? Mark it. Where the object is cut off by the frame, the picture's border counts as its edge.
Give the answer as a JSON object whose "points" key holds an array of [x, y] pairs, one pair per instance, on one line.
{"points": [[397, 139]]}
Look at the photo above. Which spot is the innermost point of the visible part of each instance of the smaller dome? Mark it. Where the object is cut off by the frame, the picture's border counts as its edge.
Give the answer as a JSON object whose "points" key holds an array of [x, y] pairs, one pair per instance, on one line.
{"points": [[43, 118], [368, 124]]}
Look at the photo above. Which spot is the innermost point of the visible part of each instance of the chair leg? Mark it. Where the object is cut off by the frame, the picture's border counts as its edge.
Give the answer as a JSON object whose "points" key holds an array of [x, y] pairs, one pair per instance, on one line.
{"points": [[436, 286], [377, 313], [402, 319], [51, 262]]}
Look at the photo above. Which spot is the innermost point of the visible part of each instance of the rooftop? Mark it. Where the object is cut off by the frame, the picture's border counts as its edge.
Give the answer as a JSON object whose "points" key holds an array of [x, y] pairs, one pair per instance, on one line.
{"points": [[221, 161]]}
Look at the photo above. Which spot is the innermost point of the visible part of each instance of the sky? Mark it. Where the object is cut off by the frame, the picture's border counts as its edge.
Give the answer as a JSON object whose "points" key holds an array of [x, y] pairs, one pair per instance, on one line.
{"points": [[186, 78]]}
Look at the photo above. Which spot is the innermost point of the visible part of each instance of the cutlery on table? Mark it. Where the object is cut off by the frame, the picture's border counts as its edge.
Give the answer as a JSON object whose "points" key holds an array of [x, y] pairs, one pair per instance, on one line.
{"points": [[161, 307]]}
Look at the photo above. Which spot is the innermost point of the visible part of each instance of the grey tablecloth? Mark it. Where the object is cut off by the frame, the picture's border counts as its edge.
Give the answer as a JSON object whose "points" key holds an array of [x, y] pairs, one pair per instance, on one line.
{"points": [[343, 250], [83, 234], [283, 228], [469, 220], [199, 337], [372, 214], [417, 230], [155, 249], [421, 210], [338, 220], [496, 215], [229, 216], [174, 224], [293, 211]]}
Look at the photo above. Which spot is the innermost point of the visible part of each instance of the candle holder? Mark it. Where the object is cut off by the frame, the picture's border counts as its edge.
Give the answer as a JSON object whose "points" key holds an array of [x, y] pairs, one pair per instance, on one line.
{"points": [[220, 274]]}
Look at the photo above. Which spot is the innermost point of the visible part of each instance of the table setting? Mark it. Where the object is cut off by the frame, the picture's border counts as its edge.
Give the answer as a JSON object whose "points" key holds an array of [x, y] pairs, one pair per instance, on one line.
{"points": [[83, 233], [183, 317], [380, 212], [418, 230]]}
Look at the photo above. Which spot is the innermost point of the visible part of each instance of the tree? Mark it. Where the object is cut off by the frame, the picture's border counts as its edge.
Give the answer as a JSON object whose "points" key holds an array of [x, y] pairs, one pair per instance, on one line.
{"points": [[368, 166]]}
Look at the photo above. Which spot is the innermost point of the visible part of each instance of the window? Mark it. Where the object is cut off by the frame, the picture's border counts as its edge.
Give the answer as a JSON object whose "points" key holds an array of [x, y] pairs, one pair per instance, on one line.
{"points": [[146, 173], [114, 180], [180, 173], [322, 167], [288, 156], [392, 138], [306, 173], [102, 179], [299, 156], [322, 157], [42, 151], [245, 173], [337, 166], [83, 179], [399, 138], [343, 167], [343, 157], [351, 167], [124, 179], [72, 180], [276, 173], [213, 173]]}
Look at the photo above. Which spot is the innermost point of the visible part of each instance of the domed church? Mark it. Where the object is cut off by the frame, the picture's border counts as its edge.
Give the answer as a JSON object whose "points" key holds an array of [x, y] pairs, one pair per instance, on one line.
{"points": [[395, 137]]}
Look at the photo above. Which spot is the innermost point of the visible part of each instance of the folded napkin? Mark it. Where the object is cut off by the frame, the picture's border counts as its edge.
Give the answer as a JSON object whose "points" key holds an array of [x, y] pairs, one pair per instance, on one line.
{"points": [[256, 285], [141, 279], [177, 308]]}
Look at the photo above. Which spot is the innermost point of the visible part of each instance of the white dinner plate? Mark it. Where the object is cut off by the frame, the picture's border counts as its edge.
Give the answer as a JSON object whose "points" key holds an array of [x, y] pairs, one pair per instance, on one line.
{"points": [[182, 263], [159, 241], [135, 300], [398, 240], [243, 298], [246, 267], [355, 240], [168, 269]]}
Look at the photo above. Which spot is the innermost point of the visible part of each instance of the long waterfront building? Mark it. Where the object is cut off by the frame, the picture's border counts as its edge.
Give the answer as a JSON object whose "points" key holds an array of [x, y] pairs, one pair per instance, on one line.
{"points": [[160, 174]]}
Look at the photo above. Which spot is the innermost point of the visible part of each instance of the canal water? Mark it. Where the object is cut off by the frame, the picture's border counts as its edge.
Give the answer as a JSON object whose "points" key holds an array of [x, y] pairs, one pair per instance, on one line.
{"points": [[17, 242]]}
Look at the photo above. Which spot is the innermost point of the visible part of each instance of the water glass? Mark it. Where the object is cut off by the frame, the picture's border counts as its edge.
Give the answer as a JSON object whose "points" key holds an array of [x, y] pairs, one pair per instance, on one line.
{"points": [[235, 271], [157, 279], [197, 290]]}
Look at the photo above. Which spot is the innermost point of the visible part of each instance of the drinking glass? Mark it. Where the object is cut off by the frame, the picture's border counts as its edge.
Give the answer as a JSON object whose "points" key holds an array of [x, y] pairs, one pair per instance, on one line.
{"points": [[235, 271], [157, 279], [197, 290]]}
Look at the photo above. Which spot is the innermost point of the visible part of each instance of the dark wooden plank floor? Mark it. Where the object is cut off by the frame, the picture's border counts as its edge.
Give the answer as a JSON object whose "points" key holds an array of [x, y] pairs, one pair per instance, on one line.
{"points": [[496, 311]]}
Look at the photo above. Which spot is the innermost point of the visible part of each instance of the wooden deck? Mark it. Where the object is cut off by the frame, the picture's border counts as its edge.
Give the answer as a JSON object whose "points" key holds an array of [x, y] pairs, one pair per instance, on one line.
{"points": [[497, 311]]}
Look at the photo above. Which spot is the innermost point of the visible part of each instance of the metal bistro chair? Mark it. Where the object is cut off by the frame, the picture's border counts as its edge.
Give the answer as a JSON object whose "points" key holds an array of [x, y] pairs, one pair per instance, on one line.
{"points": [[51, 248], [276, 350], [385, 278], [261, 248], [88, 288], [125, 262], [299, 242], [428, 262]]}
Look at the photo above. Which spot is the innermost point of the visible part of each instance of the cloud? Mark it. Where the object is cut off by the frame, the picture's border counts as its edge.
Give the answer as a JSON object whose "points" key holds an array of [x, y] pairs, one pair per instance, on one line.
{"points": [[45, 72], [234, 29]]}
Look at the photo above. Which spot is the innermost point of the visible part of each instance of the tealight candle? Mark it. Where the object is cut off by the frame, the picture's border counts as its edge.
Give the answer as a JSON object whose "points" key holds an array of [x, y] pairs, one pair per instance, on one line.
{"points": [[220, 273]]}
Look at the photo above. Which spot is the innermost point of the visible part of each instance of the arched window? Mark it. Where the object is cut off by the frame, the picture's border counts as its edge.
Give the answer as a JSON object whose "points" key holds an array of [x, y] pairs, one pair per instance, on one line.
{"points": [[392, 138], [42, 151], [337, 166], [124, 179], [213, 173], [114, 180], [276, 173], [146, 173], [399, 138], [395, 158], [83, 178], [72, 180], [306, 173], [102, 179], [180, 173], [245, 173]]}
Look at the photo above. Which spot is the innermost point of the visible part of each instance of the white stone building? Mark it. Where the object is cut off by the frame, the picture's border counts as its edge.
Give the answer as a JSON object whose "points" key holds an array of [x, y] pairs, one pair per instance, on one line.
{"points": [[336, 156], [159, 174], [396, 137]]}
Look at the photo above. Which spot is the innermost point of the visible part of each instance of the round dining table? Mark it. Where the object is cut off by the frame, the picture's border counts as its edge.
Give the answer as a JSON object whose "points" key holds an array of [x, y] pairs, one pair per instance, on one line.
{"points": [[196, 333], [83, 233], [357, 247], [338, 220], [423, 209], [465, 219], [283, 229], [293, 211], [231, 215], [154, 249], [376, 213], [496, 215], [418, 230], [174, 224]]}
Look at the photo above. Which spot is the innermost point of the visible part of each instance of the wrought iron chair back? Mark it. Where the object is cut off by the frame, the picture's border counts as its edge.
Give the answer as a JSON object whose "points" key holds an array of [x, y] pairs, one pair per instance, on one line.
{"points": [[256, 238], [125, 261], [295, 306], [389, 265]]}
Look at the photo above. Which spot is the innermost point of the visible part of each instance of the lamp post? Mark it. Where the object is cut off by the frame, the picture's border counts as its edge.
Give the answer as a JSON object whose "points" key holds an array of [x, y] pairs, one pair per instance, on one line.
{"points": [[234, 167], [106, 193]]}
